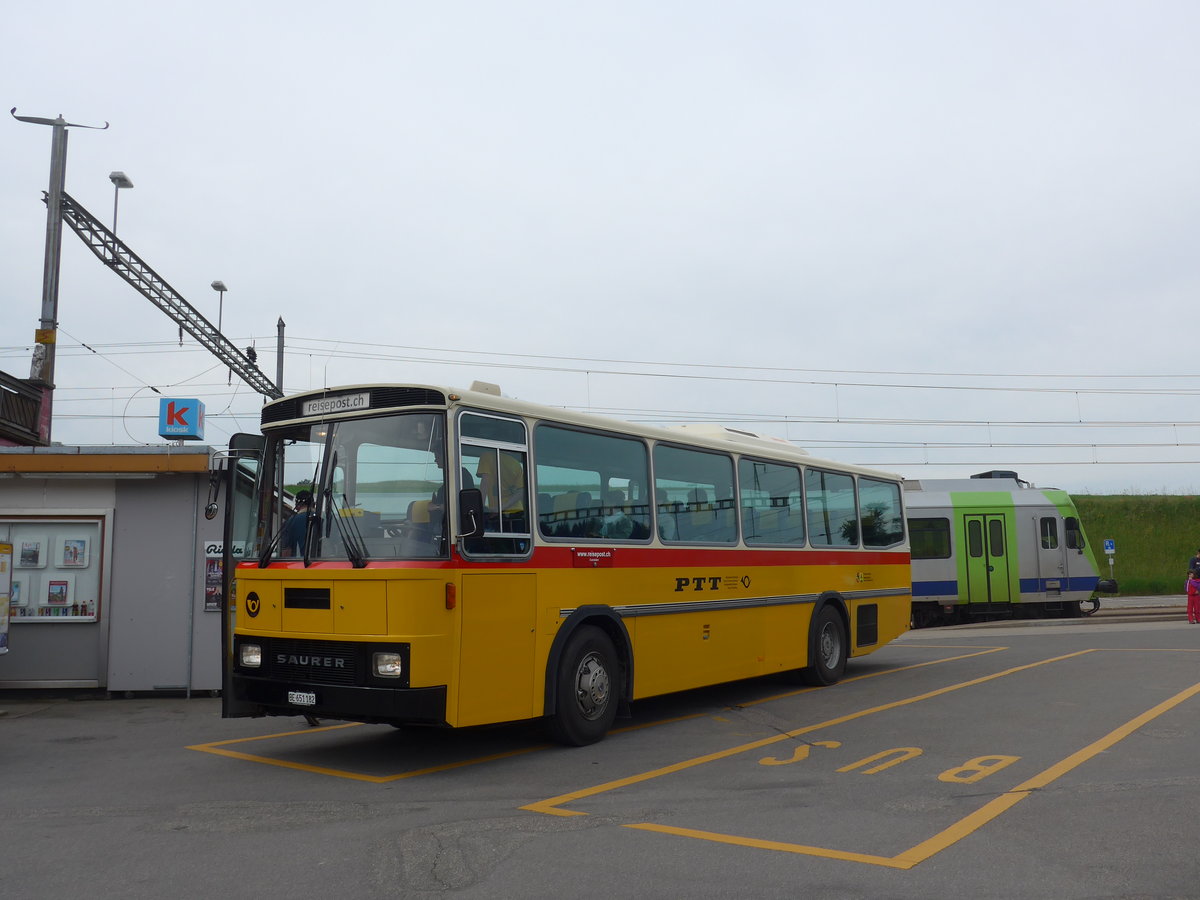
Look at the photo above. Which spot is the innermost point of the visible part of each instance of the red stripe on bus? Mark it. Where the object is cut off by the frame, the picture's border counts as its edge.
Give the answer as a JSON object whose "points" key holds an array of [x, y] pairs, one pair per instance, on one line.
{"points": [[632, 558]]}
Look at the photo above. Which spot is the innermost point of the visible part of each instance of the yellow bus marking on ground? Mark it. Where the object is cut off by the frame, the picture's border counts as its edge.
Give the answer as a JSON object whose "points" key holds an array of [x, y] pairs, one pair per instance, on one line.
{"points": [[780, 846], [551, 806], [991, 810], [920, 852], [217, 748], [853, 678]]}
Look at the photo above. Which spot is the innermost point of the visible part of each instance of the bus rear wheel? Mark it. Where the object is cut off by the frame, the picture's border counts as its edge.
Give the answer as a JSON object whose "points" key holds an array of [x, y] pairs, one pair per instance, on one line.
{"points": [[827, 648], [587, 687]]}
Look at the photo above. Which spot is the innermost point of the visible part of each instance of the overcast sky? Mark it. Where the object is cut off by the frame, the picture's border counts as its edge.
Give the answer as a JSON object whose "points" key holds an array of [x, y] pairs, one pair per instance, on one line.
{"points": [[934, 237]]}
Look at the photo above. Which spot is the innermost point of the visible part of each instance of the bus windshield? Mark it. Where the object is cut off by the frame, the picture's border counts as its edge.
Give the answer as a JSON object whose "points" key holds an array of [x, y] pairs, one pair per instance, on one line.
{"points": [[363, 489]]}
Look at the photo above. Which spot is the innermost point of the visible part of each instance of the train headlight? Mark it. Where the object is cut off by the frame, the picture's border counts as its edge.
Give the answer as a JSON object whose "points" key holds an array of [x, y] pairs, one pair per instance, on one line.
{"points": [[388, 664], [251, 656]]}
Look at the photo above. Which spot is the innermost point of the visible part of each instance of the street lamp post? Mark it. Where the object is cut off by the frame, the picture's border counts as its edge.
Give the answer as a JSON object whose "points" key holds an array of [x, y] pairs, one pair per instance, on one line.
{"points": [[119, 180], [219, 287]]}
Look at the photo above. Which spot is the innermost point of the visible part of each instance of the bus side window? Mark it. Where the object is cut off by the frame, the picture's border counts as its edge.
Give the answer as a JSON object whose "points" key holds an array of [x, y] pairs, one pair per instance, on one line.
{"points": [[702, 481], [769, 495], [831, 509], [592, 484], [879, 513]]}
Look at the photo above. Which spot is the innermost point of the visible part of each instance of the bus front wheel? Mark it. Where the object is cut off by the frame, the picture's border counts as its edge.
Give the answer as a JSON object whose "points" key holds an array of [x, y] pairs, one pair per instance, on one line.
{"points": [[587, 689], [827, 648]]}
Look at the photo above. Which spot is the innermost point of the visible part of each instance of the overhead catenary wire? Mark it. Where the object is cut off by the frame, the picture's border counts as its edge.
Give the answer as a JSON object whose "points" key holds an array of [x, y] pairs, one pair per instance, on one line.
{"points": [[317, 347]]}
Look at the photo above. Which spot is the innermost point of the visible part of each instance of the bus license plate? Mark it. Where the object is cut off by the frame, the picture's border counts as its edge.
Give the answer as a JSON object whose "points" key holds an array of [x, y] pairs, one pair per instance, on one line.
{"points": [[302, 698]]}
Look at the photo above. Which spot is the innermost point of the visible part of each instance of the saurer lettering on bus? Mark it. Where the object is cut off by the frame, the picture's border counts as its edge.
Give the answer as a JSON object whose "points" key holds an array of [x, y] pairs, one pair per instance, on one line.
{"points": [[321, 662]]}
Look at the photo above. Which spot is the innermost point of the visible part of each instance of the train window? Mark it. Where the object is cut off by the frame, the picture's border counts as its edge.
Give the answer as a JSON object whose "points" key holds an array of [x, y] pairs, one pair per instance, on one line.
{"points": [[974, 538], [996, 537], [879, 512], [1074, 533], [930, 538], [1049, 532]]}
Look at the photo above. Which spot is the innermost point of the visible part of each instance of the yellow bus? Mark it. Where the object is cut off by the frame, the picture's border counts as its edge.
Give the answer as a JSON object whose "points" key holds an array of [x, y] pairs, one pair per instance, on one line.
{"points": [[469, 559]]}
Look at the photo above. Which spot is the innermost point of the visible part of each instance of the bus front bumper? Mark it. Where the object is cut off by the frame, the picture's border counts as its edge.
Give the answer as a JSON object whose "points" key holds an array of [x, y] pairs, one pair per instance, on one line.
{"points": [[357, 704]]}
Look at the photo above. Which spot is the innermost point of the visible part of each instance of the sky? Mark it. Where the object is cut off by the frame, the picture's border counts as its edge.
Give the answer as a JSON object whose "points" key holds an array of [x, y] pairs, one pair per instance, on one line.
{"points": [[936, 238]]}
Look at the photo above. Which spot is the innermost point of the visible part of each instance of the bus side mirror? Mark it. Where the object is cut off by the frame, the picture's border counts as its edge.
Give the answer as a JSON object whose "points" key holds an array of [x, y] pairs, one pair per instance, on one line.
{"points": [[470, 512], [216, 474]]}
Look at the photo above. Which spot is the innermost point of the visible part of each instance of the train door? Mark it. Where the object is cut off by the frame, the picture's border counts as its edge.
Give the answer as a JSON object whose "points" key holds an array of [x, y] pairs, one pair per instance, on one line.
{"points": [[987, 559], [1052, 554], [1077, 564]]}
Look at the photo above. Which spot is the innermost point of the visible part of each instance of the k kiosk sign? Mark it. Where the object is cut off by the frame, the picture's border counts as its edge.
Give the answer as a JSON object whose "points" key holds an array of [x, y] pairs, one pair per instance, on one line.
{"points": [[181, 419]]}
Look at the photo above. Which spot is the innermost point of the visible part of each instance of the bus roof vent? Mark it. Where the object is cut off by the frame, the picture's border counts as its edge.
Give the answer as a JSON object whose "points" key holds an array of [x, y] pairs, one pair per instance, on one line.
{"points": [[737, 435], [486, 387]]}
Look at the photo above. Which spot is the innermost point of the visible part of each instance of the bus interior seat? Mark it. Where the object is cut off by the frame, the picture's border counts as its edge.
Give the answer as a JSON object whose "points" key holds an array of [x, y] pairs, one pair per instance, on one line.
{"points": [[558, 522], [545, 512], [668, 515], [587, 522], [700, 519]]}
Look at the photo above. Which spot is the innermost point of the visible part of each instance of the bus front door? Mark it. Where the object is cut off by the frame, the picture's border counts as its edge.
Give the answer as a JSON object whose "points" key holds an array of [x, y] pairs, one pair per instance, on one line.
{"points": [[987, 574], [497, 681]]}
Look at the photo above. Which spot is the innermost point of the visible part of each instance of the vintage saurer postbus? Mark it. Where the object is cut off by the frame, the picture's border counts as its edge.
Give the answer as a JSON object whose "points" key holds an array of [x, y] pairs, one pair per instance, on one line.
{"points": [[469, 558]]}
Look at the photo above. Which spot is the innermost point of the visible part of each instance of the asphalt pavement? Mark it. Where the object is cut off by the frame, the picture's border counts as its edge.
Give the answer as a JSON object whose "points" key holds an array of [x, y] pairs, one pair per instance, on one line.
{"points": [[1051, 758]]}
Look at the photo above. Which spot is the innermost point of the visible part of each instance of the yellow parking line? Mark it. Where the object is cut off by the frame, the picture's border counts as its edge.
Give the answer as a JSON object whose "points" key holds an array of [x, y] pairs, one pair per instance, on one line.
{"points": [[217, 748], [990, 811], [278, 734], [780, 846], [358, 776], [920, 665]]}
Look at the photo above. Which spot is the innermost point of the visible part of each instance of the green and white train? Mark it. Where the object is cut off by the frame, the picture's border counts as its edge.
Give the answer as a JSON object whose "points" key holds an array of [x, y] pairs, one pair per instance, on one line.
{"points": [[993, 547]]}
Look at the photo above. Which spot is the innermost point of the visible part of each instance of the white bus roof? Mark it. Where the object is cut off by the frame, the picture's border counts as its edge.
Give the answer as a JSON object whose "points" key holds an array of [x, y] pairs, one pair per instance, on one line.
{"points": [[708, 435]]}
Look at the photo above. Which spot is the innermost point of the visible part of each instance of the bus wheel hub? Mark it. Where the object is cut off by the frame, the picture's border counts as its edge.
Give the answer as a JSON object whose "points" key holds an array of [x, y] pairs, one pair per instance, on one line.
{"points": [[592, 686]]}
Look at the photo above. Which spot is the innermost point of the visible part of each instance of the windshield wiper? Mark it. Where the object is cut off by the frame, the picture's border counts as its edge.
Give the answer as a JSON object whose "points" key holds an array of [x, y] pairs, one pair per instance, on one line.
{"points": [[268, 551], [356, 547]]}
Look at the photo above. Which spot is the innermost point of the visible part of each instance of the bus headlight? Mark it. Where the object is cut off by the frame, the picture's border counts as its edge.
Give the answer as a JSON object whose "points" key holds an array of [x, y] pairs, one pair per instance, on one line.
{"points": [[251, 655], [389, 664]]}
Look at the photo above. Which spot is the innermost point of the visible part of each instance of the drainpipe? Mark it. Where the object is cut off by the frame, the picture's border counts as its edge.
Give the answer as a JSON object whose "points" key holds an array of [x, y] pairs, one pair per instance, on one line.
{"points": [[192, 592]]}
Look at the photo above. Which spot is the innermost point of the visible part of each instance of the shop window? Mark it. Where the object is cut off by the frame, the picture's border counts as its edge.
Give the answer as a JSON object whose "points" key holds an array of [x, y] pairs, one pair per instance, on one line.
{"points": [[56, 566]]}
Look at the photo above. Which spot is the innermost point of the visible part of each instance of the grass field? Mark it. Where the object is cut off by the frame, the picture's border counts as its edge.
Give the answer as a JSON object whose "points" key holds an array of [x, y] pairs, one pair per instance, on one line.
{"points": [[1155, 537]]}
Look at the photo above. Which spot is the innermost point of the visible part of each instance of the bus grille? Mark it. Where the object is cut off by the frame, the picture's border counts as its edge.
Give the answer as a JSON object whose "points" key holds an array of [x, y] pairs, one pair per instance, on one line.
{"points": [[323, 662]]}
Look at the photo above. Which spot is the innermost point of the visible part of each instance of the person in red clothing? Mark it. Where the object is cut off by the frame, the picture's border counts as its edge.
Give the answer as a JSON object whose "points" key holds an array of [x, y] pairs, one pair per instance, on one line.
{"points": [[1193, 597]]}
